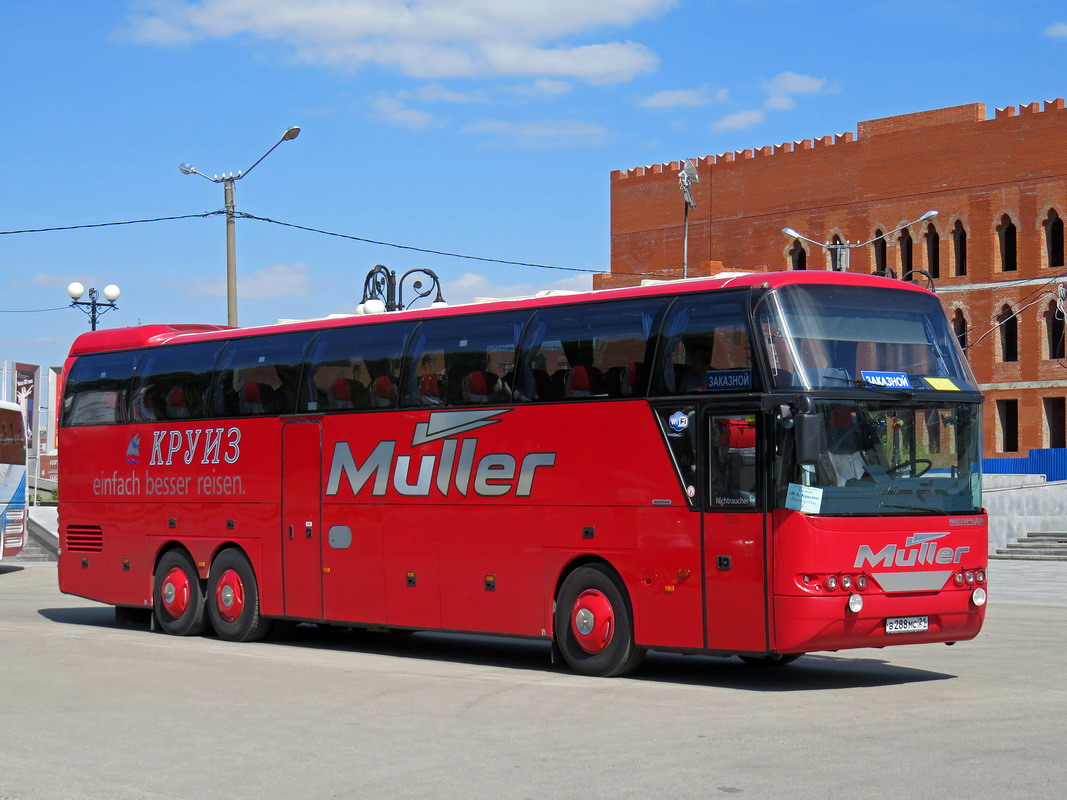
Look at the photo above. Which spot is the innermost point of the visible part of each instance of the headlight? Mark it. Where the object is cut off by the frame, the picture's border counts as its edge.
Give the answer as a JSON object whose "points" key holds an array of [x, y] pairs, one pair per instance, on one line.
{"points": [[978, 596], [831, 582], [855, 603]]}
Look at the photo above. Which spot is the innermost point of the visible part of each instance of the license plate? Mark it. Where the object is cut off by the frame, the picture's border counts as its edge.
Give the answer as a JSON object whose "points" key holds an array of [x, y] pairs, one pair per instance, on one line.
{"points": [[907, 624]]}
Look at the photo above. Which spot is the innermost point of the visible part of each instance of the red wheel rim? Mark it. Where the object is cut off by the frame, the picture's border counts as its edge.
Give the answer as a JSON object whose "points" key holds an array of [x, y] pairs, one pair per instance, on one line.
{"points": [[230, 596], [592, 621], [175, 592]]}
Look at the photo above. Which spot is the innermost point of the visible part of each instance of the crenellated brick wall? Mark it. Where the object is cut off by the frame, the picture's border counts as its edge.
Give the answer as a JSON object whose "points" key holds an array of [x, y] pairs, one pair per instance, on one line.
{"points": [[971, 168]]}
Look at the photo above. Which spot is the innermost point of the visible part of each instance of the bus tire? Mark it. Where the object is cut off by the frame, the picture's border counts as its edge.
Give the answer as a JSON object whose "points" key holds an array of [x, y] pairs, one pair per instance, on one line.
{"points": [[178, 595], [233, 599], [593, 625]]}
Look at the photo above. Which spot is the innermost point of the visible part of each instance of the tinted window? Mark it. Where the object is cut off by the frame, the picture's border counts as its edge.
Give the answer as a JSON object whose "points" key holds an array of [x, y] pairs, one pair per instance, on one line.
{"points": [[172, 382], [705, 346], [258, 376], [463, 361], [576, 352], [98, 388], [353, 368]]}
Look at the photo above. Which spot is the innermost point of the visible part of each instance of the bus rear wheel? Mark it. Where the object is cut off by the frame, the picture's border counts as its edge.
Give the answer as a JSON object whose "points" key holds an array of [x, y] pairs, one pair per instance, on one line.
{"points": [[233, 599], [593, 625], [178, 597]]}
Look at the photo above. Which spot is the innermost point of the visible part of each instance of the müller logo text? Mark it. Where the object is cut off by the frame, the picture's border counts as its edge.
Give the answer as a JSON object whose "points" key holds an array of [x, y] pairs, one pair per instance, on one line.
{"points": [[459, 465], [920, 548]]}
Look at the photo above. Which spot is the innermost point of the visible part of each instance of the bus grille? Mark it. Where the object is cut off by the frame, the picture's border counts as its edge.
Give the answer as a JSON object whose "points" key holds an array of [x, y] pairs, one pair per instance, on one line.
{"points": [[84, 539]]}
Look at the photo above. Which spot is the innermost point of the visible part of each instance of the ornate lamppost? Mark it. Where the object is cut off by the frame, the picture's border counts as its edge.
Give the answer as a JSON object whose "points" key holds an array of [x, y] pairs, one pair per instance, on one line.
{"points": [[93, 307], [383, 291]]}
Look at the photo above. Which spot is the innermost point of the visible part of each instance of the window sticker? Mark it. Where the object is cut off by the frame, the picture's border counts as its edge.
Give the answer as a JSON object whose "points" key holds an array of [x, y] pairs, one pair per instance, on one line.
{"points": [[807, 499], [942, 384], [724, 380], [890, 380]]}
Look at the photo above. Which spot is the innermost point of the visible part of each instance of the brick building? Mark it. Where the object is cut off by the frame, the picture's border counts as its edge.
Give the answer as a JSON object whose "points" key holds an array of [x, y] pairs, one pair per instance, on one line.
{"points": [[995, 250]]}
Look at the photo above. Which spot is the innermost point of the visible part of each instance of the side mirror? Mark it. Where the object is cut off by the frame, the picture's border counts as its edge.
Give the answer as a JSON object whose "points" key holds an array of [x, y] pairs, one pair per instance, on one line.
{"points": [[809, 431]]}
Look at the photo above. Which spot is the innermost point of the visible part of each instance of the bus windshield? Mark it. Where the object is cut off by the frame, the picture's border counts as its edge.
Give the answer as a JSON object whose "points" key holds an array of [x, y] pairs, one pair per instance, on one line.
{"points": [[884, 458], [831, 337]]}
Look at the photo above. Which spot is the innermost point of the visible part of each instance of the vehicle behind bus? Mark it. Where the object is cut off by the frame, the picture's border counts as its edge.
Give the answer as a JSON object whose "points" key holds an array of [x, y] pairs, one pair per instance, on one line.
{"points": [[13, 510]]}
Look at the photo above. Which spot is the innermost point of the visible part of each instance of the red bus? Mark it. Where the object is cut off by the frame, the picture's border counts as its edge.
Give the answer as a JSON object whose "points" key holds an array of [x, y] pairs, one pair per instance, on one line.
{"points": [[759, 465]]}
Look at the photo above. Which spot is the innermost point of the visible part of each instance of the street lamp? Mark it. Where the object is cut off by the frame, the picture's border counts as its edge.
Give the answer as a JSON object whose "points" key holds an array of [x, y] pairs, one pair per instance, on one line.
{"points": [[840, 250], [382, 291], [231, 246], [686, 178], [93, 307]]}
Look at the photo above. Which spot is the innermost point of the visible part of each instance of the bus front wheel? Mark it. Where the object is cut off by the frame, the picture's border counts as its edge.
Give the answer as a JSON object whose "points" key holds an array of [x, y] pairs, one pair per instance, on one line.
{"points": [[593, 626], [178, 597], [233, 599]]}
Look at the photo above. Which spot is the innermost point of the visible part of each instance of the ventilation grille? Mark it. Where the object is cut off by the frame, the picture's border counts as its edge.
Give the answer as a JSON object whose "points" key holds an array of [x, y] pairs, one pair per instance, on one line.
{"points": [[84, 539]]}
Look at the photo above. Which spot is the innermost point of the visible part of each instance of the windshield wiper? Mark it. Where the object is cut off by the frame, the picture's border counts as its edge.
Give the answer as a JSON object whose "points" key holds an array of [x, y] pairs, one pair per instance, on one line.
{"points": [[924, 509], [863, 383]]}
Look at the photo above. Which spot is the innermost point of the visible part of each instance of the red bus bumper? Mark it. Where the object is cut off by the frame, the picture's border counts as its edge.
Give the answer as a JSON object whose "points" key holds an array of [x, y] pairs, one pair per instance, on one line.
{"points": [[804, 624]]}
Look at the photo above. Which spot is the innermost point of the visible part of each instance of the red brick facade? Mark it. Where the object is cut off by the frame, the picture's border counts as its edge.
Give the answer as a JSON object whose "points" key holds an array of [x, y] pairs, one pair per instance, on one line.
{"points": [[998, 181]]}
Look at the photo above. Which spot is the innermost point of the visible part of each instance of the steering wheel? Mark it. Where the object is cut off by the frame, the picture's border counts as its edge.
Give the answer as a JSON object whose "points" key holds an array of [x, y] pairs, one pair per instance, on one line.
{"points": [[914, 462]]}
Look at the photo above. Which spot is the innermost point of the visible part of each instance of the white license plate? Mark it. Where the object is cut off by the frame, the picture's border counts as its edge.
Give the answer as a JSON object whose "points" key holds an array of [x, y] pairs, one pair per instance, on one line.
{"points": [[906, 624]]}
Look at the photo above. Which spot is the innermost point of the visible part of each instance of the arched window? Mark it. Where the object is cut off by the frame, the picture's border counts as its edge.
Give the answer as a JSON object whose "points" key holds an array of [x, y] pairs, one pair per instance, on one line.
{"points": [[1008, 237], [959, 246], [879, 253], [1009, 334], [838, 262], [1054, 331], [933, 251], [798, 256], [1054, 238], [906, 256], [959, 327]]}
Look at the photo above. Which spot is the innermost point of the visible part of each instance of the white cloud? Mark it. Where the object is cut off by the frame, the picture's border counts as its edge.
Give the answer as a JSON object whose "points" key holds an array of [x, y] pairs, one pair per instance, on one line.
{"points": [[280, 280], [780, 102], [436, 93], [1057, 30], [671, 98], [740, 121], [473, 285], [544, 133], [396, 112], [429, 39], [787, 83]]}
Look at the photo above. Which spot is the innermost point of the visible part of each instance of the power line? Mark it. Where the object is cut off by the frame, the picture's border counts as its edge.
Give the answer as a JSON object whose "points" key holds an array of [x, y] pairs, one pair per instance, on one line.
{"points": [[109, 224], [425, 249], [31, 310]]}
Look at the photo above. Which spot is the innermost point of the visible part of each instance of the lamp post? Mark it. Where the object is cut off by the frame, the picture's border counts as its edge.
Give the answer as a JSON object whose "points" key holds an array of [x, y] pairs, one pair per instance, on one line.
{"points": [[686, 178], [227, 182], [840, 250], [383, 291], [93, 307]]}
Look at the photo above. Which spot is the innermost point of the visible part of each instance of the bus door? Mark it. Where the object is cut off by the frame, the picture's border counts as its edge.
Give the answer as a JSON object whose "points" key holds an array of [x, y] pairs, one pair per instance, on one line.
{"points": [[734, 530], [302, 518]]}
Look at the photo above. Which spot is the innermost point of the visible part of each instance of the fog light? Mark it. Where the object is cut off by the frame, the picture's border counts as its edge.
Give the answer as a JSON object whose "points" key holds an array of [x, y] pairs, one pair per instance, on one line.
{"points": [[861, 582], [981, 576], [846, 581], [978, 596], [855, 603], [959, 579], [831, 582], [970, 577]]}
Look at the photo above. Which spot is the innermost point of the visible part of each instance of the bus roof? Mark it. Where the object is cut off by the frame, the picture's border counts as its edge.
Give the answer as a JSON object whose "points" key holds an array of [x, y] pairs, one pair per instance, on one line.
{"points": [[151, 335]]}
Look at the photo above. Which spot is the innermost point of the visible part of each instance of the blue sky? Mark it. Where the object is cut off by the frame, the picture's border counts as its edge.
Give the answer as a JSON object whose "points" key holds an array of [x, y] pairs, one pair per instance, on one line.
{"points": [[480, 127]]}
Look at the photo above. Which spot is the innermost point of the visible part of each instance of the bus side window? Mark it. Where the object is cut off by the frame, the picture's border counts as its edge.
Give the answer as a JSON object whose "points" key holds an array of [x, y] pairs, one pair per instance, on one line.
{"points": [[458, 362], [595, 351], [98, 389], [172, 382], [354, 368], [705, 346], [259, 376]]}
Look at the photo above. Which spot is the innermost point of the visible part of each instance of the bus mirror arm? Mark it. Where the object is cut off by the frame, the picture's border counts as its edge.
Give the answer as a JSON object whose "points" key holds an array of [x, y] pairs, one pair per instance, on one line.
{"points": [[808, 428]]}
